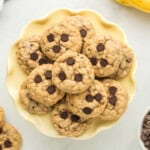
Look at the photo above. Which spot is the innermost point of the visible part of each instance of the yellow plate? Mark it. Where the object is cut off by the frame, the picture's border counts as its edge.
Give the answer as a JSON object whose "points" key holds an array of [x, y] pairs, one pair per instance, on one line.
{"points": [[15, 76]]}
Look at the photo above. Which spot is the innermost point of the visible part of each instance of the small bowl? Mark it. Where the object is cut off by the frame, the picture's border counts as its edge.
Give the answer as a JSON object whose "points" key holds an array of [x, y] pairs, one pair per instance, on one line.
{"points": [[140, 129]]}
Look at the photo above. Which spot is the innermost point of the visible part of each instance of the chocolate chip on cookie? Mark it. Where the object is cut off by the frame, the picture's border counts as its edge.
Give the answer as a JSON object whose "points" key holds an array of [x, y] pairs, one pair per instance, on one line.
{"points": [[112, 100], [83, 32], [103, 62], [64, 37], [70, 61], [48, 74], [112, 90], [8, 143], [78, 77], [62, 76], [100, 47], [89, 98], [93, 61], [37, 79], [87, 110], [56, 48], [50, 37], [64, 115], [51, 89], [34, 56], [98, 97], [75, 118]]}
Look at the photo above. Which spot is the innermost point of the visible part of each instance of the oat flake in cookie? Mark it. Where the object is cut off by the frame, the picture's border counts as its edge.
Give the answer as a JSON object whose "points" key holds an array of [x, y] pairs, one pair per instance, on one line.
{"points": [[67, 123], [117, 100], [29, 53], [10, 138], [73, 73], [59, 38], [105, 55], [90, 103], [29, 104], [41, 88]]}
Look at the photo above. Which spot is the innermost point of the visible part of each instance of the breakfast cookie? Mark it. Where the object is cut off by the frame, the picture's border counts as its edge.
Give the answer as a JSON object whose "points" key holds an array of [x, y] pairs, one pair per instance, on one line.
{"points": [[10, 138], [29, 53], [73, 73], [41, 88], [1, 116], [83, 25], [67, 123], [105, 55], [90, 103], [126, 63], [29, 104], [117, 100], [59, 38]]}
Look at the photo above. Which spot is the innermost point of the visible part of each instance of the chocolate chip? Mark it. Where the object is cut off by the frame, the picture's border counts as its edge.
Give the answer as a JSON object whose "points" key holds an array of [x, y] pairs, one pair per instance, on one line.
{"points": [[103, 62], [83, 33], [70, 61], [1, 130], [93, 61], [64, 37], [7, 143], [48, 74], [51, 89], [56, 48], [62, 76], [0, 147], [43, 61], [75, 118], [34, 56], [100, 47], [37, 79], [87, 110], [112, 90], [50, 37], [89, 98], [64, 115], [78, 77], [98, 97], [112, 100]]}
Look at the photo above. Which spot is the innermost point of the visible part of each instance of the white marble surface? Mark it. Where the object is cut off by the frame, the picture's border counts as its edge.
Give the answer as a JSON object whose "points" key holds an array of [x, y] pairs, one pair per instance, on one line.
{"points": [[17, 13]]}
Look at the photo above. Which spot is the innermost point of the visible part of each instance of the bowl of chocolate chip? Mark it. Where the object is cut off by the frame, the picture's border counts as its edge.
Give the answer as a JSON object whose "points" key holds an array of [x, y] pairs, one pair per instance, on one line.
{"points": [[144, 136]]}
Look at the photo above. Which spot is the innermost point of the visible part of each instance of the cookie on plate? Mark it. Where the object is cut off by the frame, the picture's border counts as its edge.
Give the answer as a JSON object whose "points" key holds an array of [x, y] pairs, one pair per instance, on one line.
{"points": [[67, 123], [29, 53], [29, 104], [105, 55], [83, 25], [41, 88], [117, 100], [126, 63], [1, 116], [90, 103], [59, 38], [10, 138], [73, 73]]}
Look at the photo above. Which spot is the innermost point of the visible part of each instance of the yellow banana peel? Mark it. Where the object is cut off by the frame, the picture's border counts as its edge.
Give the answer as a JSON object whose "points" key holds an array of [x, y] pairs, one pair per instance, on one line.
{"points": [[143, 5]]}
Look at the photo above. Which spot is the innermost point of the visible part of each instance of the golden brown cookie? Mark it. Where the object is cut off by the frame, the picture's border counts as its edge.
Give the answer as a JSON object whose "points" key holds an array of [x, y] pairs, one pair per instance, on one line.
{"points": [[41, 88], [67, 123], [73, 73], [29, 104], [90, 103], [105, 55], [29, 53], [117, 100]]}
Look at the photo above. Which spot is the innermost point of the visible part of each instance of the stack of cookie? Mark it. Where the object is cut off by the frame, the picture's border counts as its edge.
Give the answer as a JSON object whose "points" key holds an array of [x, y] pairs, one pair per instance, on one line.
{"points": [[10, 138], [72, 74]]}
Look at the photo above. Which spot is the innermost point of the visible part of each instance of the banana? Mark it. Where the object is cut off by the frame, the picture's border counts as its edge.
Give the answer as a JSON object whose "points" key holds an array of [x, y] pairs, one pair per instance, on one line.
{"points": [[143, 5]]}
